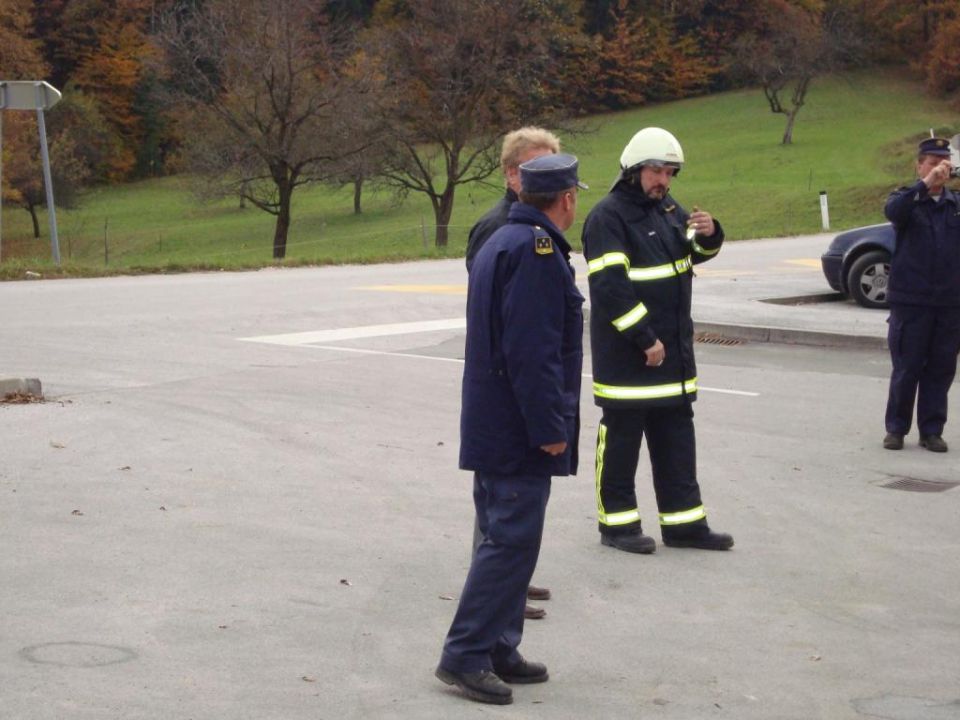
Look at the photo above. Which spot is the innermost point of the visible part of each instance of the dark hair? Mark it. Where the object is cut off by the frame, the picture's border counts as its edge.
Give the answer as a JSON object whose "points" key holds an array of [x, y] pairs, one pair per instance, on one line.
{"points": [[541, 201]]}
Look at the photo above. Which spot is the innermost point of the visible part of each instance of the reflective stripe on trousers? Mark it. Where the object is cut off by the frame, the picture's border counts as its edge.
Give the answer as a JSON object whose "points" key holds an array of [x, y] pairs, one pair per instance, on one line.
{"points": [[644, 392]]}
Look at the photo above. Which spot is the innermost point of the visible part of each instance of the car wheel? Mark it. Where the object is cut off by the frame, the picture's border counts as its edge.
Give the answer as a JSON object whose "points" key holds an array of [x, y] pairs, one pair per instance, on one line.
{"points": [[868, 278]]}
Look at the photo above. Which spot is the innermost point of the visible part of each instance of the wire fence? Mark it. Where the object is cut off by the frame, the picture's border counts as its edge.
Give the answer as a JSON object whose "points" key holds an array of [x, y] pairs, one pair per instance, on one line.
{"points": [[185, 243]]}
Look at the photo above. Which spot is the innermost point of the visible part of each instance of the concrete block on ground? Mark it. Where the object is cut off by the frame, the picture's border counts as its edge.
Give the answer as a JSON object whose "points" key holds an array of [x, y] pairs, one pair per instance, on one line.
{"points": [[26, 386]]}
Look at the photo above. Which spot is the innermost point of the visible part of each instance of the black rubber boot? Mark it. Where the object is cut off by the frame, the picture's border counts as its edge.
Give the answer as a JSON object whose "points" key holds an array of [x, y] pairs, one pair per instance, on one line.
{"points": [[700, 537], [634, 542]]}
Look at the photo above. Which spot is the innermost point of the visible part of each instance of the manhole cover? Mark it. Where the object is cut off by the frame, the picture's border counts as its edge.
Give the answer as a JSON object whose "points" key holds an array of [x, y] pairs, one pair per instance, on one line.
{"points": [[919, 485], [716, 339]]}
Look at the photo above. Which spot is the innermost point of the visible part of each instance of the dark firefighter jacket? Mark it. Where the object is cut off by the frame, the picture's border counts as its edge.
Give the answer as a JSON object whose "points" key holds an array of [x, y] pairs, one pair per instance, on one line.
{"points": [[640, 273], [925, 269], [524, 351]]}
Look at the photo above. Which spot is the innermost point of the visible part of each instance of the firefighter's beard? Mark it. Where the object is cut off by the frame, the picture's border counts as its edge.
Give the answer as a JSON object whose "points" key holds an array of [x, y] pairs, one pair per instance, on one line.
{"points": [[657, 192]]}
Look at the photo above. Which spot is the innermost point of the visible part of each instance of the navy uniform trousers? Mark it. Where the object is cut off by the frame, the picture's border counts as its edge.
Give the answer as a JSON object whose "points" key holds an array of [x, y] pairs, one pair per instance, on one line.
{"points": [[489, 621], [924, 342], [672, 445]]}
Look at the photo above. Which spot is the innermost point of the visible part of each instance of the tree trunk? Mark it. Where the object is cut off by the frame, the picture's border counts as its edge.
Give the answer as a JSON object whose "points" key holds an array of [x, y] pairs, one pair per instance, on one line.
{"points": [[32, 209], [442, 212], [357, 188], [788, 133], [284, 193]]}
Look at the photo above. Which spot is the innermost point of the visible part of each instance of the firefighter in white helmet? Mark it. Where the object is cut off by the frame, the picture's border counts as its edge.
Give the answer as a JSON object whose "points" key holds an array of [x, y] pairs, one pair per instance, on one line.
{"points": [[640, 246]]}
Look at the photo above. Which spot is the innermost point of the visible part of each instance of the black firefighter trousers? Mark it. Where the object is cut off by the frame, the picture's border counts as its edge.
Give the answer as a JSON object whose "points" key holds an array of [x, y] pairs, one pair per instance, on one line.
{"points": [[672, 447]]}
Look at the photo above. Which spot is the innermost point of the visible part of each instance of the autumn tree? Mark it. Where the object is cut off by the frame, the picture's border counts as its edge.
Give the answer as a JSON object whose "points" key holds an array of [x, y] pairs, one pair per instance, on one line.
{"points": [[261, 84], [454, 76], [797, 42], [20, 59], [102, 48], [24, 170]]}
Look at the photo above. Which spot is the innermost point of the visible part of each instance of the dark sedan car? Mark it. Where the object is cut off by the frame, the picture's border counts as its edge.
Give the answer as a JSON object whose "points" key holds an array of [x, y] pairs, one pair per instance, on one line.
{"points": [[857, 263]]}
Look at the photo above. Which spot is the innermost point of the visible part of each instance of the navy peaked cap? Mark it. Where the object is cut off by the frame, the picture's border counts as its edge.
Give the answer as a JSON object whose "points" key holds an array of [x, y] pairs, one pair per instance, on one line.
{"points": [[550, 173], [934, 146]]}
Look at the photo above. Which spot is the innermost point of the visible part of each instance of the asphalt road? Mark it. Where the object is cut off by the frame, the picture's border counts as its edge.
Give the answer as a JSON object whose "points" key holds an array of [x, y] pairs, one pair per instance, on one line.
{"points": [[241, 500]]}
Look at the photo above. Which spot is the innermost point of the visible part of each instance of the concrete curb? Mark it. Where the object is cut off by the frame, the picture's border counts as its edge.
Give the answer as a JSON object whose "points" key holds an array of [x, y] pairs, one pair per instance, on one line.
{"points": [[27, 386], [789, 336]]}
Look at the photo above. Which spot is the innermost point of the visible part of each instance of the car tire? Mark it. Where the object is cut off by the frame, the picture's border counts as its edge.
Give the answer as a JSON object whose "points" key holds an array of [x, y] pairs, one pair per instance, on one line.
{"points": [[868, 278]]}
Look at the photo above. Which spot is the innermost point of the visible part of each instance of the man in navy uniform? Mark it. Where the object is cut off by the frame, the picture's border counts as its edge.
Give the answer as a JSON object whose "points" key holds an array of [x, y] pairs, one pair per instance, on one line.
{"points": [[924, 296], [519, 422], [519, 146]]}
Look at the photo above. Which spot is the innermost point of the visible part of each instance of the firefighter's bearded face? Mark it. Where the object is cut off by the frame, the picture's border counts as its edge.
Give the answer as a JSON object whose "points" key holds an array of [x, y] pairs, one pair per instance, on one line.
{"points": [[655, 180]]}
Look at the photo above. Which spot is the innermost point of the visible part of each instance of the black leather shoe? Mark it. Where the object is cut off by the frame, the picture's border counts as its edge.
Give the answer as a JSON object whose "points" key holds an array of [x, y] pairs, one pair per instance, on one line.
{"points": [[635, 542], [703, 539], [933, 443], [523, 673], [531, 612], [894, 441], [537, 593], [483, 686]]}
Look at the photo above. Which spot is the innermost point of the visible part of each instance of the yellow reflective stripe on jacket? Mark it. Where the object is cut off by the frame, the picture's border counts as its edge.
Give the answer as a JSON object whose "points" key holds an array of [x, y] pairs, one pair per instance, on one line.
{"points": [[686, 516], [644, 392], [631, 318], [614, 258], [657, 272], [703, 251], [620, 518]]}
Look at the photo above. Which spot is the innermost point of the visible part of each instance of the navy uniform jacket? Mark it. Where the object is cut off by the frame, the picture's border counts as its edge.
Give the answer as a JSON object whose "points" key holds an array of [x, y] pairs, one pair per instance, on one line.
{"points": [[492, 220], [925, 269], [524, 351], [640, 268]]}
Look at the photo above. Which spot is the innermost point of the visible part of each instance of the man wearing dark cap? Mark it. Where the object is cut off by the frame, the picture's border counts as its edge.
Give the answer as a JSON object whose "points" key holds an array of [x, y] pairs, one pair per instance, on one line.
{"points": [[519, 421], [519, 146], [924, 296]]}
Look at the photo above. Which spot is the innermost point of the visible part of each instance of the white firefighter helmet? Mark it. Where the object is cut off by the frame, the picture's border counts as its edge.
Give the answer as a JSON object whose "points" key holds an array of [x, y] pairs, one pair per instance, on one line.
{"points": [[651, 146]]}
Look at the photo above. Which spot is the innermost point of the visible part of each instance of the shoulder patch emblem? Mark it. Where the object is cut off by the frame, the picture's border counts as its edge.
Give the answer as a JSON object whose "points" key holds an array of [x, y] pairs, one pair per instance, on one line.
{"points": [[543, 244]]}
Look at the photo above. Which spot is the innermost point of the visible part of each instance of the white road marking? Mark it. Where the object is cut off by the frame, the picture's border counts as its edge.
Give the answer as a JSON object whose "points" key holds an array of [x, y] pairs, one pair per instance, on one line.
{"points": [[355, 333], [724, 391]]}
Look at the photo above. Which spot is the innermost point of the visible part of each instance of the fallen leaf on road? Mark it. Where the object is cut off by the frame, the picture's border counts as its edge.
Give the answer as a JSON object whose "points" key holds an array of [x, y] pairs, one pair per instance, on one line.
{"points": [[58, 446], [344, 581], [76, 512], [447, 597]]}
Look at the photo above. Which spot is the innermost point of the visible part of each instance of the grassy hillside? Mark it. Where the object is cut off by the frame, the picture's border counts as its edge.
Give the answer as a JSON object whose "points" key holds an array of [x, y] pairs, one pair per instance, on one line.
{"points": [[853, 138]]}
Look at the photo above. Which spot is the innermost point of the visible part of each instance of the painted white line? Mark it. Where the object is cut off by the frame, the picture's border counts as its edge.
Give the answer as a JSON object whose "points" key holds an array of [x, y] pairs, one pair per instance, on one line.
{"points": [[361, 351], [384, 352], [355, 333]]}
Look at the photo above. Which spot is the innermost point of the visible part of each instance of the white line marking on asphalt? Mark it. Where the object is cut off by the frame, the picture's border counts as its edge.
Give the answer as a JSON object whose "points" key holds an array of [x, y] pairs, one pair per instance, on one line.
{"points": [[724, 391], [356, 333]]}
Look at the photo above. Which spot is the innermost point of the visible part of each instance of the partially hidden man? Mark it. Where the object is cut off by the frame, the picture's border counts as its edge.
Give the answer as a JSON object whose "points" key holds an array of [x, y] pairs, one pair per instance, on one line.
{"points": [[519, 421], [640, 247], [924, 297]]}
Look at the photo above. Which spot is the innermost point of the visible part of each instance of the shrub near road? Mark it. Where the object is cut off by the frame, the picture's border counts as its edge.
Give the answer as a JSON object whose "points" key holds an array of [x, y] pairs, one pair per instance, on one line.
{"points": [[853, 138]]}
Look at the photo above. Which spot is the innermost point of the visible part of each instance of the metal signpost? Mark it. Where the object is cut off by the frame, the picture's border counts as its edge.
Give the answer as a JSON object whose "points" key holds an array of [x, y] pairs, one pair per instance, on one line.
{"points": [[33, 95]]}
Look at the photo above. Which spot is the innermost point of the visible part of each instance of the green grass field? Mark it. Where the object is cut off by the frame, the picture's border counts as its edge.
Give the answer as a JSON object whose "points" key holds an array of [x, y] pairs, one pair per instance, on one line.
{"points": [[853, 139]]}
